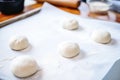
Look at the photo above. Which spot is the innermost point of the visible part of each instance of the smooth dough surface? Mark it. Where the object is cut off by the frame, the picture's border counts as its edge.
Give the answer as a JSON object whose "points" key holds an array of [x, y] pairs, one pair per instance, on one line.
{"points": [[101, 36], [24, 66], [69, 49], [18, 43], [70, 24]]}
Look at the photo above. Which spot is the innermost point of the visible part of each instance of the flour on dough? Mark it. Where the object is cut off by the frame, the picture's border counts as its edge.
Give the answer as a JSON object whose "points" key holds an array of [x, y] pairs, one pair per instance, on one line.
{"points": [[69, 49], [24, 66], [70, 24], [18, 43], [101, 36]]}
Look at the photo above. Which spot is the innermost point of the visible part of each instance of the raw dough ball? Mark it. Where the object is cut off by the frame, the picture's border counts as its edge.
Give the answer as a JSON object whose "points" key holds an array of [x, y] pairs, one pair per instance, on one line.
{"points": [[69, 49], [18, 43], [70, 24], [24, 66], [101, 36], [99, 7]]}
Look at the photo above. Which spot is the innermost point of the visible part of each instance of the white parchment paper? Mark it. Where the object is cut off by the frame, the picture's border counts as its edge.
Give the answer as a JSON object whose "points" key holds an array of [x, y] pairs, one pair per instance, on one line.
{"points": [[44, 32]]}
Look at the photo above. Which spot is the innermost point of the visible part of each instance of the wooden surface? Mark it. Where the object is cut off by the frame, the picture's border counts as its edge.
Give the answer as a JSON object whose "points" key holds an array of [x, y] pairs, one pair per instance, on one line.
{"points": [[84, 11], [28, 8]]}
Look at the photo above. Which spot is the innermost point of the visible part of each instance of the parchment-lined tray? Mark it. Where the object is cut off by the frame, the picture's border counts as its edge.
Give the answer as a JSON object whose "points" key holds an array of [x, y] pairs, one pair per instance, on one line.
{"points": [[44, 32]]}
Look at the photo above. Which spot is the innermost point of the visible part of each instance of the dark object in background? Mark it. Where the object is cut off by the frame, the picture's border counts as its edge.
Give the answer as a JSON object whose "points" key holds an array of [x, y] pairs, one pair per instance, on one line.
{"points": [[114, 72], [84, 1], [11, 6]]}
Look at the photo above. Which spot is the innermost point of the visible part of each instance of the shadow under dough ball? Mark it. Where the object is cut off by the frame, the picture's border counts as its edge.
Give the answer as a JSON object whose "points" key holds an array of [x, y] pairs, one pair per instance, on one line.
{"points": [[11, 6]]}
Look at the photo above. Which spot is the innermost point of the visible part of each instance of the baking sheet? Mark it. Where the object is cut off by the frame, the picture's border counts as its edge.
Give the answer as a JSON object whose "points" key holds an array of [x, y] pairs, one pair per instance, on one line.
{"points": [[44, 32]]}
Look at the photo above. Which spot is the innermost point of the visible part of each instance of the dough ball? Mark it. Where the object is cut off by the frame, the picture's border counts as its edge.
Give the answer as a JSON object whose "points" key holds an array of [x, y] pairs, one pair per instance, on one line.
{"points": [[70, 24], [18, 43], [101, 36], [99, 7], [24, 66], [69, 49]]}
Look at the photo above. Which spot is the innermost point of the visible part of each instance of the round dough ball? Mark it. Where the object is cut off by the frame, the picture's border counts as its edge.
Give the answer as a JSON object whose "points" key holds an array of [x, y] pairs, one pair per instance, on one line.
{"points": [[18, 43], [70, 24], [24, 66], [69, 49], [101, 36]]}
